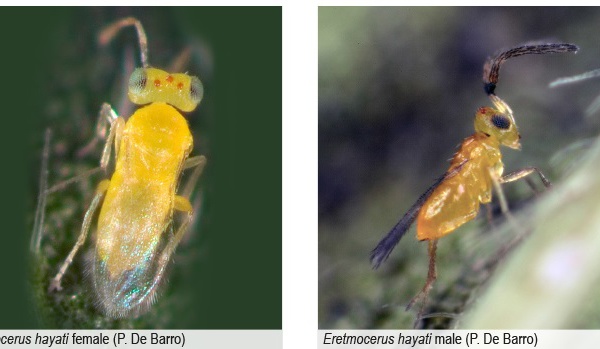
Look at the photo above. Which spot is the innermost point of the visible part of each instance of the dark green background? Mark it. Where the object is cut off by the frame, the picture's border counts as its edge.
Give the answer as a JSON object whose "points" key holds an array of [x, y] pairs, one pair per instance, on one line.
{"points": [[238, 282]]}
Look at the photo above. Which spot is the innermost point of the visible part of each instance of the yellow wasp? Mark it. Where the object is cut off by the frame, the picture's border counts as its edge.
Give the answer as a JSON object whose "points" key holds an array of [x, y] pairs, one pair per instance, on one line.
{"points": [[475, 169], [136, 233]]}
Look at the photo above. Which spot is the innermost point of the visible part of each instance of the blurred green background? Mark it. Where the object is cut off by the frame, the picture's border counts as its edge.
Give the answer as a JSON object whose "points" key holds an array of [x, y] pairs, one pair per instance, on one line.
{"points": [[227, 271], [398, 90]]}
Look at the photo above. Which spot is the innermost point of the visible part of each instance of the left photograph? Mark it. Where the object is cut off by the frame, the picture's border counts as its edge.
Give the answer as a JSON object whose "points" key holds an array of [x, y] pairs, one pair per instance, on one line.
{"points": [[147, 204]]}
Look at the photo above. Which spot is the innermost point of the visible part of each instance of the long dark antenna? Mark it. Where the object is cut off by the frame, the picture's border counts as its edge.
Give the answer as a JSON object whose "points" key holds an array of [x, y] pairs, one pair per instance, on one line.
{"points": [[491, 69]]}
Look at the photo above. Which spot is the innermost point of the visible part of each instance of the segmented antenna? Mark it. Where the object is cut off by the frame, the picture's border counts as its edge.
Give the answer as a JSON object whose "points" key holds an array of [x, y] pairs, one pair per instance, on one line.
{"points": [[108, 33], [491, 69]]}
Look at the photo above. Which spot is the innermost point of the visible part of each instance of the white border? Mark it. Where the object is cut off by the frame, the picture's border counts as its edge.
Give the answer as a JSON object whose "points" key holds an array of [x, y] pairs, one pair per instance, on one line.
{"points": [[300, 170]]}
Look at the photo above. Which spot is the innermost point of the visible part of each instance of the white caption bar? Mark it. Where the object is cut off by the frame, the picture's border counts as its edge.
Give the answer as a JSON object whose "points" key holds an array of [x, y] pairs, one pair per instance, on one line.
{"points": [[545, 339], [63, 339]]}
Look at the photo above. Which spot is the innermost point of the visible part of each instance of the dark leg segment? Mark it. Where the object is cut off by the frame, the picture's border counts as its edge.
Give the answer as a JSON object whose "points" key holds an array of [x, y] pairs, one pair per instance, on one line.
{"points": [[431, 276]]}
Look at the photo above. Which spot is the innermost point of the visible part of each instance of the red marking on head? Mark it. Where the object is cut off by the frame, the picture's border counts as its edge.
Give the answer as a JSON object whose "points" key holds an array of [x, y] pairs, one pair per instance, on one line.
{"points": [[180, 85], [169, 78], [157, 83]]}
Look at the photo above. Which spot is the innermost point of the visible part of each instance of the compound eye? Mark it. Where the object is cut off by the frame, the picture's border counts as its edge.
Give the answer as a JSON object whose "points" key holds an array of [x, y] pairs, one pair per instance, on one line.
{"points": [[137, 81], [501, 121], [196, 90]]}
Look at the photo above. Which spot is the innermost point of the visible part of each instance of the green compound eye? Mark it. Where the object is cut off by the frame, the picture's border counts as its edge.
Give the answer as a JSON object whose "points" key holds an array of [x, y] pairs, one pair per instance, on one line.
{"points": [[196, 90], [137, 81]]}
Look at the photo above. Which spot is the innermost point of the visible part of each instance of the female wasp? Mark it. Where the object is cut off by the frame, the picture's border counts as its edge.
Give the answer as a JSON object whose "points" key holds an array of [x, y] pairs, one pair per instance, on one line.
{"points": [[136, 232]]}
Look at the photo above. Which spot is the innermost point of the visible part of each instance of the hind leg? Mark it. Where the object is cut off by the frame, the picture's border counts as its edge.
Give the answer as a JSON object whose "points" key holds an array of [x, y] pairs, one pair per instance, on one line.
{"points": [[107, 116], [55, 284], [182, 204], [431, 276], [40, 211]]}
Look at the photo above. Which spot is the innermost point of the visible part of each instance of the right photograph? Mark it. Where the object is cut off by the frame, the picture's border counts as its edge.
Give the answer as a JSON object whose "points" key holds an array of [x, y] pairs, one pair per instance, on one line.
{"points": [[459, 167]]}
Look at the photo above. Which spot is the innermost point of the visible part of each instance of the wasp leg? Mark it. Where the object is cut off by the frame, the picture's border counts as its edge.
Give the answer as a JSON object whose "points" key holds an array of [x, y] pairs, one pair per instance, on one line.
{"points": [[40, 210], [182, 204], [198, 163], [501, 198], [511, 177], [65, 183], [107, 116], [117, 125], [431, 276], [85, 227], [516, 175]]}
